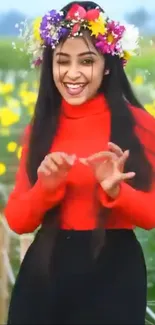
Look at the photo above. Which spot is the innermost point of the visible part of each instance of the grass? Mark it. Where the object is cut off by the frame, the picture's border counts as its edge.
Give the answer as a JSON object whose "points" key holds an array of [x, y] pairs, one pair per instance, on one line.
{"points": [[144, 64], [11, 59]]}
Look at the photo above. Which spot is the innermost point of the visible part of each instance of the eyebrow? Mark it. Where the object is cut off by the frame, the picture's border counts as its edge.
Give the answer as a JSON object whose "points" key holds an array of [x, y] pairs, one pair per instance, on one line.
{"points": [[80, 54]]}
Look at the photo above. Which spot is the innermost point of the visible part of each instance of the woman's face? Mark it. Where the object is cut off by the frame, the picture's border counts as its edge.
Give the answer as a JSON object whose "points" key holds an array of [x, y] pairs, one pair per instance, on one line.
{"points": [[78, 70]]}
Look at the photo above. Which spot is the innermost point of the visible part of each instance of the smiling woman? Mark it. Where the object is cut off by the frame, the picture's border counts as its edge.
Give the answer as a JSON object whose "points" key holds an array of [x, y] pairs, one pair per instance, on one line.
{"points": [[77, 74], [85, 176]]}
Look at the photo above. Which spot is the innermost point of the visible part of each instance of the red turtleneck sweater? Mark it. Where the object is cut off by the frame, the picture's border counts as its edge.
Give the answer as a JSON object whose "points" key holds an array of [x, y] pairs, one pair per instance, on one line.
{"points": [[83, 130]]}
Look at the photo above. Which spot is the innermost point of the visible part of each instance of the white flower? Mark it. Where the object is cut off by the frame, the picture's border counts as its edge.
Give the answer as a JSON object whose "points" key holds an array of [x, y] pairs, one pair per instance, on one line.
{"points": [[130, 39], [103, 16]]}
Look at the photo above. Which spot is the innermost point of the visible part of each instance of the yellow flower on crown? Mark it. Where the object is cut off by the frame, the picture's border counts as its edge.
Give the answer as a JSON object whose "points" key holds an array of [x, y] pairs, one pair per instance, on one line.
{"points": [[126, 55], [36, 29], [110, 38], [98, 26]]}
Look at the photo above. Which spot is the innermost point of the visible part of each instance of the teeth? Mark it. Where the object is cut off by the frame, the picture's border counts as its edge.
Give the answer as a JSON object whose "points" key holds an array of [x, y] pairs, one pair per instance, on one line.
{"points": [[74, 86]]}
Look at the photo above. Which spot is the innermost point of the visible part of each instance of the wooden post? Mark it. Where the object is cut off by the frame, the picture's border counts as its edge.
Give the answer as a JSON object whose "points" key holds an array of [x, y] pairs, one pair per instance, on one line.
{"points": [[25, 242], [4, 246]]}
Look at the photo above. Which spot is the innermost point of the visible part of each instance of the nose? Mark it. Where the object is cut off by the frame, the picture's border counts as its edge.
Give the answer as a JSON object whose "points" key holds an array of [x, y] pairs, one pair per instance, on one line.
{"points": [[73, 72]]}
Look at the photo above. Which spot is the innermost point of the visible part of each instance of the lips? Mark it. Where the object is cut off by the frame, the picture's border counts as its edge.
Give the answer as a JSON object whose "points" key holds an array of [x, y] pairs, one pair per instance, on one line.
{"points": [[74, 89]]}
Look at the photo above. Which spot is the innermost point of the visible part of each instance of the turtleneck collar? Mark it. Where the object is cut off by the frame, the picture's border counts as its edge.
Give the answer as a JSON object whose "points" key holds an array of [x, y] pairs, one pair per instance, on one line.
{"points": [[96, 105]]}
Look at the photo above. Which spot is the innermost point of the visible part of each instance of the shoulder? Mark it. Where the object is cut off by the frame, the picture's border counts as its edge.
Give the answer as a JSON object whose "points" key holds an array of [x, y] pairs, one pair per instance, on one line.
{"points": [[26, 135], [143, 119], [145, 129]]}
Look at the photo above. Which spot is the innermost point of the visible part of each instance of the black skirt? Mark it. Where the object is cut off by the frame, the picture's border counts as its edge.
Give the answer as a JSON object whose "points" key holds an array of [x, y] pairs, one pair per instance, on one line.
{"points": [[65, 285]]}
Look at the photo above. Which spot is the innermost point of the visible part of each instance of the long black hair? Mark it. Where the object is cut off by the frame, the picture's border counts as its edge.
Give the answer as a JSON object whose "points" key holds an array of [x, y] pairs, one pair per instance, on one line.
{"points": [[119, 95]]}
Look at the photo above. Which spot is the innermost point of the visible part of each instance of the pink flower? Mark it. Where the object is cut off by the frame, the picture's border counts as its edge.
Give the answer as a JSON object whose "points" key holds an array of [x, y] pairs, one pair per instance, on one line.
{"points": [[103, 46], [115, 29], [75, 29], [37, 62]]}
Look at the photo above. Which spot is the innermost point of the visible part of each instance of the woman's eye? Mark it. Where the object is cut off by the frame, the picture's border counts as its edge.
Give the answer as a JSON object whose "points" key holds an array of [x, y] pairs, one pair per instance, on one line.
{"points": [[87, 61], [63, 62], [84, 62]]}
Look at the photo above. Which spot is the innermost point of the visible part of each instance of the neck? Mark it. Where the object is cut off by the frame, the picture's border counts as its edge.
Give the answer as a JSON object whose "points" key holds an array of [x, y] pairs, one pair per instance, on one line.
{"points": [[96, 105]]}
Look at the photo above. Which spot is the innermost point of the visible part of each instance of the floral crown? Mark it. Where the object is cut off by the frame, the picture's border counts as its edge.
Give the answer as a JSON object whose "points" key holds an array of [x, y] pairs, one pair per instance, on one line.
{"points": [[110, 37]]}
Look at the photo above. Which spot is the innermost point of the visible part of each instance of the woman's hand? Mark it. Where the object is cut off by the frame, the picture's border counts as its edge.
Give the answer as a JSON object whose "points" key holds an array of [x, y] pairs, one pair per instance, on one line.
{"points": [[108, 167], [54, 169]]}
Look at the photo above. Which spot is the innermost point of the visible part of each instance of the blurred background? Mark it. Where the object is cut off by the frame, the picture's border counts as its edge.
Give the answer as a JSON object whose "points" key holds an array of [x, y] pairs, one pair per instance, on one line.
{"points": [[18, 91]]}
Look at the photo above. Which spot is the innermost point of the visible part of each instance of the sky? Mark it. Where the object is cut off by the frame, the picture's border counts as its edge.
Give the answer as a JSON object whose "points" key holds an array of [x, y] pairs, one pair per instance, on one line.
{"points": [[36, 7]]}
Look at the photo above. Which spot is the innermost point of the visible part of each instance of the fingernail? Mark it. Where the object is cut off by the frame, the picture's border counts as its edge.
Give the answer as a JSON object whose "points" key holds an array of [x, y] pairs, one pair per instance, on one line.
{"points": [[72, 159], [63, 154], [83, 161], [127, 151]]}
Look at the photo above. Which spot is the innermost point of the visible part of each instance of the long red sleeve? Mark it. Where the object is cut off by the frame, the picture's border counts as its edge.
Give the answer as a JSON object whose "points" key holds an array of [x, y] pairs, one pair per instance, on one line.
{"points": [[134, 206], [26, 205], [137, 207]]}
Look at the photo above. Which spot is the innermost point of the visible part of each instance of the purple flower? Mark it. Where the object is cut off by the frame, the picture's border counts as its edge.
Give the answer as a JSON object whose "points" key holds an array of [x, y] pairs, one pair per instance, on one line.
{"points": [[50, 28], [64, 32], [37, 62]]}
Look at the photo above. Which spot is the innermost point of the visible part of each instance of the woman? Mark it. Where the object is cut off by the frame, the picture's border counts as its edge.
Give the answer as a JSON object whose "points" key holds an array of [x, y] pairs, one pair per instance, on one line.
{"points": [[85, 178]]}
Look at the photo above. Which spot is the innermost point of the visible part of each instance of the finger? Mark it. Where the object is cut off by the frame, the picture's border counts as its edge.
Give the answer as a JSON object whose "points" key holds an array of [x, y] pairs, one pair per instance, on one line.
{"points": [[62, 160], [118, 179], [83, 161], [51, 165], [68, 160], [115, 148], [122, 160], [44, 170], [101, 156], [57, 158], [129, 175]]}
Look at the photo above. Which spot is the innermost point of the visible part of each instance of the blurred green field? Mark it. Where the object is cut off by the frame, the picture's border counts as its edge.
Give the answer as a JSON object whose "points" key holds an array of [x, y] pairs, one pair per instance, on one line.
{"points": [[11, 59]]}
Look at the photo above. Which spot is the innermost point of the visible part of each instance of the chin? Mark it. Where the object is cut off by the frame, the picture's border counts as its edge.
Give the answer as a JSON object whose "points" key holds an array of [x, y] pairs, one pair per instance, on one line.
{"points": [[75, 101]]}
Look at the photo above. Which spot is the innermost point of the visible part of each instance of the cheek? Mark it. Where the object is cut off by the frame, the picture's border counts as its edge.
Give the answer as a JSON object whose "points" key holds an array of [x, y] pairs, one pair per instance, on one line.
{"points": [[58, 74], [55, 73], [97, 78]]}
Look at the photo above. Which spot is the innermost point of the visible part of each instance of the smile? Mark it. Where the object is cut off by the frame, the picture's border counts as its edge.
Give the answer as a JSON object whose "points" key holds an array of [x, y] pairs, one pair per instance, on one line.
{"points": [[74, 89]]}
